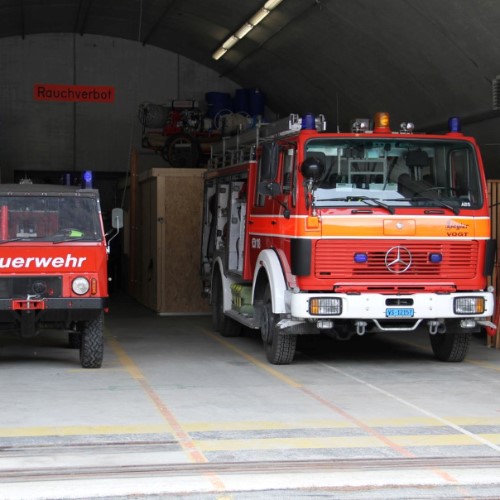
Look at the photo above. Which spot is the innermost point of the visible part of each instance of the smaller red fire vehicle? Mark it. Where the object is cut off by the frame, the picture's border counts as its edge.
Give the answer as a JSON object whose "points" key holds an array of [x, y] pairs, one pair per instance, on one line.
{"points": [[53, 264]]}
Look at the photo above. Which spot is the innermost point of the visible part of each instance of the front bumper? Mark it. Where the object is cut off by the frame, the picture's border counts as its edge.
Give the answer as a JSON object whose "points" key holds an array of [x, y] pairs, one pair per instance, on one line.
{"points": [[375, 306], [65, 304]]}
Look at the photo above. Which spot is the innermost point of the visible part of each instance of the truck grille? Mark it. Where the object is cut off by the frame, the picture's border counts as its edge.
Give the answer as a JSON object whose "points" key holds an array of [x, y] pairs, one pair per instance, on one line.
{"points": [[30, 285], [335, 259]]}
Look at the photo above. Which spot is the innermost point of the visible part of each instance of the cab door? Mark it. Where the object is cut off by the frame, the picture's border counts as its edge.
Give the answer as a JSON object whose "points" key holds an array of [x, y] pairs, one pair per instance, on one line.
{"points": [[264, 210]]}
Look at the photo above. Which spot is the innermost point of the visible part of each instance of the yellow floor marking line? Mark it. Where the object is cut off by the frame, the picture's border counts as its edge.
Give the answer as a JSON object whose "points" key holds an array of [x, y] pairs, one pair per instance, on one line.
{"points": [[82, 430], [254, 361], [484, 364], [125, 360], [292, 383], [359, 423], [96, 430], [389, 395], [258, 425], [175, 426], [334, 442]]}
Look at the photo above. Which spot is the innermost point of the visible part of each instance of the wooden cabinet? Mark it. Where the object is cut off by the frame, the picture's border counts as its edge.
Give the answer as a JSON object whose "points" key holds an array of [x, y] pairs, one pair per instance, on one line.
{"points": [[168, 232]]}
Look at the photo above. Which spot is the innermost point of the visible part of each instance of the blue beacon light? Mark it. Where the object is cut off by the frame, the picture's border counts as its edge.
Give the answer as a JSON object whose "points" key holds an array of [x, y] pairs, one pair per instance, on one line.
{"points": [[454, 124], [308, 122], [87, 179]]}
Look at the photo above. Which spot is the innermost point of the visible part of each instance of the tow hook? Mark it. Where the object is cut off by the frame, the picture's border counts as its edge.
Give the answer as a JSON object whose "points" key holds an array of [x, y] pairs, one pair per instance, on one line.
{"points": [[361, 327], [436, 327]]}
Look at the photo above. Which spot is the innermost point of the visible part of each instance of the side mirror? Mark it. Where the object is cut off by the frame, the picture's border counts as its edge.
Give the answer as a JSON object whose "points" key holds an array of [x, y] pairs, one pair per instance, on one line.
{"points": [[117, 218], [312, 168], [117, 223]]}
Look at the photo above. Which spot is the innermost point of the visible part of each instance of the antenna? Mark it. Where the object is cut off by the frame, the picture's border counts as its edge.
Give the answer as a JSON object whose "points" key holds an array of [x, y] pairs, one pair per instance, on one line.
{"points": [[338, 118]]}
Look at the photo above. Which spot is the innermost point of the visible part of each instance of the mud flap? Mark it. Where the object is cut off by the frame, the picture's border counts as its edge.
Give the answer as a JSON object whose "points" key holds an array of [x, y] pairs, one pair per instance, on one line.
{"points": [[28, 311], [27, 323]]}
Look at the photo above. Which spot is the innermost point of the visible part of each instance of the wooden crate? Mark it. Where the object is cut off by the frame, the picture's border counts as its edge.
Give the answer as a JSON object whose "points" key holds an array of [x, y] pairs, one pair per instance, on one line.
{"points": [[169, 218], [494, 199]]}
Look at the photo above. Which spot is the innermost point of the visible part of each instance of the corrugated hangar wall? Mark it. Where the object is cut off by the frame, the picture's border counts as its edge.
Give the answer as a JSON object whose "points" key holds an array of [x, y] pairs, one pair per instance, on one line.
{"points": [[64, 136]]}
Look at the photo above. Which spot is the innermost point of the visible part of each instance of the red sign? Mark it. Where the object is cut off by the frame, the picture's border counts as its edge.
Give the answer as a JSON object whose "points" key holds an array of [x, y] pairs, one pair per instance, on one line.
{"points": [[73, 93]]}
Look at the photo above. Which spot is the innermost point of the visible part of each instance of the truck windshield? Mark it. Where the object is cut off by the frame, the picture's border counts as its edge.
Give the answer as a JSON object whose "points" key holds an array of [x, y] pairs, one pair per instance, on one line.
{"points": [[397, 172], [49, 218]]}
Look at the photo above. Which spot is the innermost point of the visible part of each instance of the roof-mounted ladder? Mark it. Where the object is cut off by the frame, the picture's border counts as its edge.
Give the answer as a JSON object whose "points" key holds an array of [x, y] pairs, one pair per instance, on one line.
{"points": [[241, 147]]}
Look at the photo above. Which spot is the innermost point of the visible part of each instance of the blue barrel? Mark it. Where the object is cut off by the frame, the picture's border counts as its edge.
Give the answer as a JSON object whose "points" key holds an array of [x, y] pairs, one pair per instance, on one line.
{"points": [[242, 101], [217, 101], [257, 102]]}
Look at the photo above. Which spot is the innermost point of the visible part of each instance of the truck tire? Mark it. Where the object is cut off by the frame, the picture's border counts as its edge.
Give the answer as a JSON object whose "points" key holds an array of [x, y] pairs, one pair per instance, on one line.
{"points": [[92, 343], [279, 347], [226, 326], [451, 347]]}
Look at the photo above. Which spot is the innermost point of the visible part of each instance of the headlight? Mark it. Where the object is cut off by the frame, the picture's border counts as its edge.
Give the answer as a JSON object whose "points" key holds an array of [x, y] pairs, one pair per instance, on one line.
{"points": [[325, 306], [469, 305], [80, 285]]}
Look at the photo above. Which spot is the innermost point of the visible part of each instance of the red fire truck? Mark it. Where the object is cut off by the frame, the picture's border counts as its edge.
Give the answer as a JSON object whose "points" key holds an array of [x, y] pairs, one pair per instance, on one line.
{"points": [[53, 264], [374, 230]]}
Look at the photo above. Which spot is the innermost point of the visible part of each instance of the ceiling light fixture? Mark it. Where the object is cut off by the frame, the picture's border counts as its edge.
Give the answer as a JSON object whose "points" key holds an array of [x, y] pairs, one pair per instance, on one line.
{"points": [[232, 40], [246, 28]]}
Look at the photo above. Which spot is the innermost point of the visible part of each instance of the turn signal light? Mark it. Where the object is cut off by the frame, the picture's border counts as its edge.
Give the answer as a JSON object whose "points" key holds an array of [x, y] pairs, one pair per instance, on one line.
{"points": [[325, 306], [469, 305]]}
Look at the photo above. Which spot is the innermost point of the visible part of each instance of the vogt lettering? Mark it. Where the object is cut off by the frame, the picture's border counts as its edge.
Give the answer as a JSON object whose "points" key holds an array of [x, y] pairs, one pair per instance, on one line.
{"points": [[41, 262]]}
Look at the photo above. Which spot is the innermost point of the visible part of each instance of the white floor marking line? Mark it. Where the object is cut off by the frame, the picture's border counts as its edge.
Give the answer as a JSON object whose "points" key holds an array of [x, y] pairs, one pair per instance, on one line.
{"points": [[480, 439]]}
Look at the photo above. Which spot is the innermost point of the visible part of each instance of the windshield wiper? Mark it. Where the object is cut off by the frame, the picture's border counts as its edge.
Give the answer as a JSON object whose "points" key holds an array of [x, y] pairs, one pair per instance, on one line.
{"points": [[10, 240], [363, 199], [73, 238], [454, 209], [21, 238]]}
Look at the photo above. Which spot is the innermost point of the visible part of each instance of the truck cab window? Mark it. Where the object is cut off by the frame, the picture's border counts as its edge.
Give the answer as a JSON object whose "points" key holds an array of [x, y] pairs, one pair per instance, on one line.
{"points": [[268, 168], [288, 164], [464, 179]]}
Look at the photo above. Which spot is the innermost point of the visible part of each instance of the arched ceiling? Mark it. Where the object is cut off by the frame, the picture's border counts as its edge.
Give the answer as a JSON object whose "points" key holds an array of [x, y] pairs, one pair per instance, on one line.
{"points": [[421, 60]]}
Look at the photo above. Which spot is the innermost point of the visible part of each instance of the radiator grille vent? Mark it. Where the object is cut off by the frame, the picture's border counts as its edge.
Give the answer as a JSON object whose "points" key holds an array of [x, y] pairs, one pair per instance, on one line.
{"points": [[335, 259]]}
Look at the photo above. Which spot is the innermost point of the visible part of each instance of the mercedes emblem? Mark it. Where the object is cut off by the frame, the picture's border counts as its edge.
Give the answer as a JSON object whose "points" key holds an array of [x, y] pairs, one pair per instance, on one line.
{"points": [[398, 260]]}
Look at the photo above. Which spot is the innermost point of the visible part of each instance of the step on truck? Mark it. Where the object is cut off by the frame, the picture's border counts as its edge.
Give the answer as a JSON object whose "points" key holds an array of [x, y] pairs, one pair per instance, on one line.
{"points": [[53, 264], [370, 230]]}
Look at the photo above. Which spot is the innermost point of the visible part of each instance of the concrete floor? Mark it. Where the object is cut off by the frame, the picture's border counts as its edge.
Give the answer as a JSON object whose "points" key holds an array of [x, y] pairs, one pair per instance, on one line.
{"points": [[177, 411]]}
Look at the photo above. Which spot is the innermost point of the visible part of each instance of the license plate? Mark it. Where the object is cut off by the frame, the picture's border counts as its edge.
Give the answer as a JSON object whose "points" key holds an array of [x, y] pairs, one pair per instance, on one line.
{"points": [[399, 312]]}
